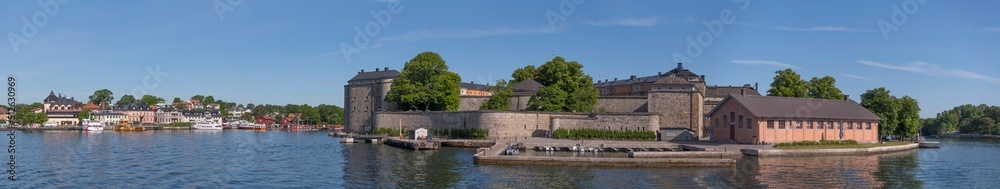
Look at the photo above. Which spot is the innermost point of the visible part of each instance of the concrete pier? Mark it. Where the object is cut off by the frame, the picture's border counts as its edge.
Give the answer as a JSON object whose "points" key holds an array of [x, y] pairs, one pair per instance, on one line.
{"points": [[492, 156], [413, 144], [930, 145], [824, 152]]}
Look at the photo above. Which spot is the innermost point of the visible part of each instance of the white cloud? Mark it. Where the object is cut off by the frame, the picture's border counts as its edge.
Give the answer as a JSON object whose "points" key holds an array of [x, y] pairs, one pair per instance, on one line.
{"points": [[635, 22], [857, 77], [447, 34], [933, 70], [991, 29], [765, 62], [809, 29]]}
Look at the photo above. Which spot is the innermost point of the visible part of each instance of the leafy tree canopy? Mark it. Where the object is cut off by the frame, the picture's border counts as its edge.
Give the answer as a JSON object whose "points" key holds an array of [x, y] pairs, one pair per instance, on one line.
{"points": [[425, 83], [567, 88], [787, 83]]}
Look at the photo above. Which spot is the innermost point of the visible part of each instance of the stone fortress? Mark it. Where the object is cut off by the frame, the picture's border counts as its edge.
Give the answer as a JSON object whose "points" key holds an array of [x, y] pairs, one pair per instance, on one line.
{"points": [[674, 104]]}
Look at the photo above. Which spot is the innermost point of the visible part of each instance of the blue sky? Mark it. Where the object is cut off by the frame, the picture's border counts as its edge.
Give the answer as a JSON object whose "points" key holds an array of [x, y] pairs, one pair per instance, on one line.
{"points": [[944, 53]]}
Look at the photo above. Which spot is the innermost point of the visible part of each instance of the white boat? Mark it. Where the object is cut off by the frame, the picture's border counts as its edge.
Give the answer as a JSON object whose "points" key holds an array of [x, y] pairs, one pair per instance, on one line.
{"points": [[206, 125], [92, 125]]}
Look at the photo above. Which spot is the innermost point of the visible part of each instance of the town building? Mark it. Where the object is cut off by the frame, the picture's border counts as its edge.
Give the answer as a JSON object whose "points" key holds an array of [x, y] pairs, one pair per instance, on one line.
{"points": [[209, 115], [137, 113], [473, 89], [167, 114], [61, 110], [109, 118], [268, 119], [4, 114], [763, 119], [91, 106]]}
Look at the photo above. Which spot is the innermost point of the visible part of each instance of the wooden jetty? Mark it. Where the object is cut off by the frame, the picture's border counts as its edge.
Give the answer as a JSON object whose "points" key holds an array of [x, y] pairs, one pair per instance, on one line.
{"points": [[413, 144]]}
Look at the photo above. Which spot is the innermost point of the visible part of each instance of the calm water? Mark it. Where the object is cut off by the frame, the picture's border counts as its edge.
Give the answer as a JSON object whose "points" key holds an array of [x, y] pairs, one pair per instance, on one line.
{"points": [[248, 159]]}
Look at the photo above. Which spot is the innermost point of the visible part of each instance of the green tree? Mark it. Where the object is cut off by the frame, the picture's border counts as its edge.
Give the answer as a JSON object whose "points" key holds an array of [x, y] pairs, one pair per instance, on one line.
{"points": [[908, 116], [787, 83], [425, 82], [880, 102], [150, 100], [209, 100], [126, 99], [199, 98], [310, 115], [567, 88], [26, 114], [824, 88], [85, 114], [178, 100], [250, 106], [330, 114], [102, 97], [501, 98], [524, 73]]}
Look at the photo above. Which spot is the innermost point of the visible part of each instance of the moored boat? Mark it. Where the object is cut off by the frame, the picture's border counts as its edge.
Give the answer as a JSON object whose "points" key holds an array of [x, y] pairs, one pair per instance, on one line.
{"points": [[206, 125], [253, 126], [92, 125]]}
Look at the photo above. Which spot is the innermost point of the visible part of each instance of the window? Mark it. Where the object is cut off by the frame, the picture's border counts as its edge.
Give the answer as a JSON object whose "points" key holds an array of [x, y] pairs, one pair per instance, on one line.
{"points": [[829, 125], [850, 125], [868, 126], [809, 125], [770, 124], [732, 115], [725, 121], [798, 125], [741, 121], [749, 123], [716, 122], [781, 124]]}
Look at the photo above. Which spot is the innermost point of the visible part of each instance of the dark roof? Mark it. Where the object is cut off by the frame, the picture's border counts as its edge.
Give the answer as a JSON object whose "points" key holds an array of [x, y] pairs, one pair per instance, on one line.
{"points": [[131, 107], [723, 91], [671, 80], [786, 107], [60, 100], [679, 72], [526, 87], [474, 86], [376, 75], [108, 113], [201, 113]]}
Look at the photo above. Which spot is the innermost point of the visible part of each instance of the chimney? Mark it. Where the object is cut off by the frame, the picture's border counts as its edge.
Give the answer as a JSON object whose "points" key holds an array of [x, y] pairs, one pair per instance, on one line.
{"points": [[680, 65], [386, 68], [376, 69], [362, 70], [605, 80], [743, 92], [702, 77], [659, 73], [616, 79], [746, 85], [847, 97], [472, 82], [755, 86], [632, 78]]}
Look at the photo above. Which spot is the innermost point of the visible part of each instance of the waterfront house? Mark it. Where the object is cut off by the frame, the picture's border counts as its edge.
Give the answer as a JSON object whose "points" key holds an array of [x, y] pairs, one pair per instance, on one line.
{"points": [[167, 114], [109, 118], [265, 119], [61, 110], [291, 118], [137, 113], [766, 119], [209, 115], [91, 106], [3, 114]]}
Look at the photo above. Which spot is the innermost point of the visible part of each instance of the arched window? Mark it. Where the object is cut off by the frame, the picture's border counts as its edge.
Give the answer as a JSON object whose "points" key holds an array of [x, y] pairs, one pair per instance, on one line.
{"points": [[749, 123], [741, 121], [733, 116], [725, 121]]}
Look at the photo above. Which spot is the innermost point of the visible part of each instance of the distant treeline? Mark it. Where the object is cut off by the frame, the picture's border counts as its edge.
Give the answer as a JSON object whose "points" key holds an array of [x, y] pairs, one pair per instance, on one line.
{"points": [[967, 119]]}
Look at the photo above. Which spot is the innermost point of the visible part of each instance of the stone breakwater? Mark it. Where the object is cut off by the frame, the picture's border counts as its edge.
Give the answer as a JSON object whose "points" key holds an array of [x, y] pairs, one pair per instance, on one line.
{"points": [[823, 152]]}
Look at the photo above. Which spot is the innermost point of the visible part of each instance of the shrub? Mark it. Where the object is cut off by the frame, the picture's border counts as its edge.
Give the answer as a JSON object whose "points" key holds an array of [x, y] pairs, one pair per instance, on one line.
{"points": [[385, 131], [462, 133], [180, 124], [821, 142], [598, 134]]}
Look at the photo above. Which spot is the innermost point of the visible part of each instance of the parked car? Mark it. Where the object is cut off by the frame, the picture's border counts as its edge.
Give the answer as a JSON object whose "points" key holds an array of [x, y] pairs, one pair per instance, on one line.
{"points": [[50, 124]]}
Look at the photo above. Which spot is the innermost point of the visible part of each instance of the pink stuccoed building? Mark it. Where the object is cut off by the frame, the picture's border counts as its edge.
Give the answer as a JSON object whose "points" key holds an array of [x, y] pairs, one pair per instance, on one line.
{"points": [[764, 119]]}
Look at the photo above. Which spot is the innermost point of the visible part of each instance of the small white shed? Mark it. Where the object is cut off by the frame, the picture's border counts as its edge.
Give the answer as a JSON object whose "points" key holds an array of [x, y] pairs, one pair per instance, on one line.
{"points": [[420, 134]]}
